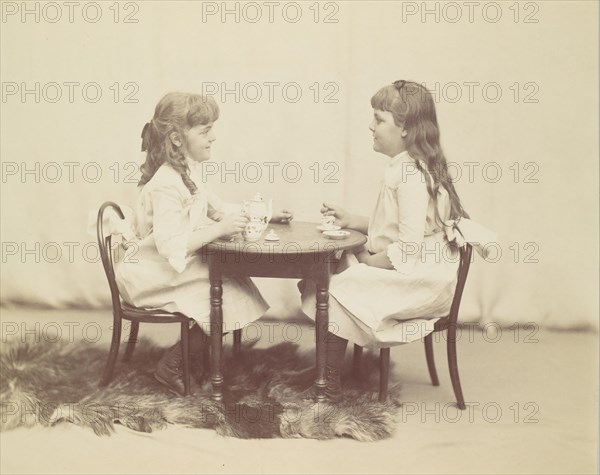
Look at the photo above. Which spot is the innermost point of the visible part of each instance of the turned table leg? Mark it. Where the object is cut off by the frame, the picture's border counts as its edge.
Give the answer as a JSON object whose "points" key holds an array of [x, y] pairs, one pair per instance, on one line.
{"points": [[322, 324], [216, 327]]}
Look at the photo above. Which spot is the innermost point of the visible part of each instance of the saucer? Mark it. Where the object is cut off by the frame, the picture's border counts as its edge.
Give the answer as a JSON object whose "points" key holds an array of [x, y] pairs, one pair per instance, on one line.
{"points": [[337, 234], [333, 227], [270, 237]]}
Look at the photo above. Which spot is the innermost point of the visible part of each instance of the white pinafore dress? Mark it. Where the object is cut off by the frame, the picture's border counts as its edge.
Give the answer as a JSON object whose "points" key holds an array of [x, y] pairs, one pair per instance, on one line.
{"points": [[160, 273], [376, 307]]}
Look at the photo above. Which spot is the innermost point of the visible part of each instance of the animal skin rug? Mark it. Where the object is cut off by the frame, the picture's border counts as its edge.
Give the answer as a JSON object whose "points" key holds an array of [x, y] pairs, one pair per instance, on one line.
{"points": [[266, 394]]}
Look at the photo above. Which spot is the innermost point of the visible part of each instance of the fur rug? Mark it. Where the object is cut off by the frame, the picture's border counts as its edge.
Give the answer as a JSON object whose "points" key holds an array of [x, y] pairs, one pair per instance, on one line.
{"points": [[266, 394]]}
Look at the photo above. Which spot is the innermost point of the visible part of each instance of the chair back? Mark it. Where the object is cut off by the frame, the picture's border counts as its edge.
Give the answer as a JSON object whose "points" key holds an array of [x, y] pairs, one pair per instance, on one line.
{"points": [[104, 244], [466, 251]]}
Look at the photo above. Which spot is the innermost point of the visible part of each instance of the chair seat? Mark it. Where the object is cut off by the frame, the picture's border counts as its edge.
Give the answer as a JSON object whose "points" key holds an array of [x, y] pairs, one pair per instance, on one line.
{"points": [[442, 324], [138, 314], [448, 323]]}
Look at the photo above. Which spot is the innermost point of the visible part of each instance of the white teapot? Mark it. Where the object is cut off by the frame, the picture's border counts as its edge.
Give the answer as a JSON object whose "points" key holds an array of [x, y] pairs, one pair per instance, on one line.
{"points": [[259, 214]]}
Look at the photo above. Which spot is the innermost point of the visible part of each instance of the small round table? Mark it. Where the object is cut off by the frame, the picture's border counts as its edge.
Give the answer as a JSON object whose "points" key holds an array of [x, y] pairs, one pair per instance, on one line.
{"points": [[301, 252]]}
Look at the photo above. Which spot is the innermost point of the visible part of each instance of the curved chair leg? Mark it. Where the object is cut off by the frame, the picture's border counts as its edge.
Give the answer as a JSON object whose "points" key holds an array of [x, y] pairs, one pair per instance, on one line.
{"points": [[356, 361], [113, 353], [384, 373], [185, 353], [237, 343], [453, 365], [133, 336], [430, 360]]}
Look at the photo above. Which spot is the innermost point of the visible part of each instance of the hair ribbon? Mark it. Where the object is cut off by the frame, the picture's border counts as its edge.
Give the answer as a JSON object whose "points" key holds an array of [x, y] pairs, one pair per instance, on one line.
{"points": [[399, 84], [146, 136]]}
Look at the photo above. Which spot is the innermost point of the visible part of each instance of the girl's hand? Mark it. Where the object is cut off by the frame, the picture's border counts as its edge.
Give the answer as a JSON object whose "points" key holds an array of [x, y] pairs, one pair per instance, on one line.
{"points": [[363, 257], [284, 217], [343, 217], [232, 224], [380, 259]]}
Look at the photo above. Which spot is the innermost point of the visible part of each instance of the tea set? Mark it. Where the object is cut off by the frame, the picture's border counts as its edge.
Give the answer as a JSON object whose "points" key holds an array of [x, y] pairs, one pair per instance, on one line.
{"points": [[330, 229], [260, 212]]}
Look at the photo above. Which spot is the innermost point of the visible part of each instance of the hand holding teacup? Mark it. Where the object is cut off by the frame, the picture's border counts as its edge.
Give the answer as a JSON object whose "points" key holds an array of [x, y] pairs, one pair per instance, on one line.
{"points": [[340, 216], [232, 224], [327, 221]]}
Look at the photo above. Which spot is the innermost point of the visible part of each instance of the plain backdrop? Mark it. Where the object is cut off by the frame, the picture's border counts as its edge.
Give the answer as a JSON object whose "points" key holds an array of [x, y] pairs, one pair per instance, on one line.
{"points": [[529, 130]]}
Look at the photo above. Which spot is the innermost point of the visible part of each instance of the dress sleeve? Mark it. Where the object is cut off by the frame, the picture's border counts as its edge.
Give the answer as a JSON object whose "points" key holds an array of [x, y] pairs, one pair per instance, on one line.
{"points": [[413, 200], [170, 226], [216, 208]]}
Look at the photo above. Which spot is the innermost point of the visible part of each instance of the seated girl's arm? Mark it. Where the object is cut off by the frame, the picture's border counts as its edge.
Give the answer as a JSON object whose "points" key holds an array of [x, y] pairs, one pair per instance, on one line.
{"points": [[346, 219], [172, 235], [215, 206], [402, 255], [229, 219], [359, 223], [229, 225], [380, 259], [170, 230], [413, 200]]}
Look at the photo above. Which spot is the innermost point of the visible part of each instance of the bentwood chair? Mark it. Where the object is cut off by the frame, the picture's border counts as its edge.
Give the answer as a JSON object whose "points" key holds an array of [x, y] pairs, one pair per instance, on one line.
{"points": [[124, 311], [447, 323]]}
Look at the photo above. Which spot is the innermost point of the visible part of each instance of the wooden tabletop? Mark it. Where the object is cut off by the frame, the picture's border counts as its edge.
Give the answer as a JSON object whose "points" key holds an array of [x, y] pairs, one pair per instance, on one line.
{"points": [[296, 237]]}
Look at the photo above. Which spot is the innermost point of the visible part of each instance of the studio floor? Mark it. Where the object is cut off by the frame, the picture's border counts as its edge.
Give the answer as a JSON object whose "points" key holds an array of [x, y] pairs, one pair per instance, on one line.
{"points": [[532, 398]]}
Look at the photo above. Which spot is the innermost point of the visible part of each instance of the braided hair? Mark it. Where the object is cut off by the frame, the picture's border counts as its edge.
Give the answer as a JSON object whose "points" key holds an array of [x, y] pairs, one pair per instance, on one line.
{"points": [[175, 112]]}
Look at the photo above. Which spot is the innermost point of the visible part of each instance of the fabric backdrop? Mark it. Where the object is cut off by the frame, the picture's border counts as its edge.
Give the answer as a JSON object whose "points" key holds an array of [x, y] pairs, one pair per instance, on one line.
{"points": [[517, 104]]}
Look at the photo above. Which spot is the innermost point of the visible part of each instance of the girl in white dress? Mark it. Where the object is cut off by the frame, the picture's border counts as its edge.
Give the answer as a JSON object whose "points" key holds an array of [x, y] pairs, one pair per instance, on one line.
{"points": [[176, 214], [392, 291]]}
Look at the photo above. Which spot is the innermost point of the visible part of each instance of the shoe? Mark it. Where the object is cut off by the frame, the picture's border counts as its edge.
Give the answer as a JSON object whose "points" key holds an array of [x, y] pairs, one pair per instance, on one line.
{"points": [[200, 366], [169, 370], [199, 355]]}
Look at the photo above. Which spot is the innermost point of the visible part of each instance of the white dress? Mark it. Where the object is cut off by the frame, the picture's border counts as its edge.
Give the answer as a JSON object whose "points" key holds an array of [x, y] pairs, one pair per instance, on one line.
{"points": [[160, 273], [377, 307]]}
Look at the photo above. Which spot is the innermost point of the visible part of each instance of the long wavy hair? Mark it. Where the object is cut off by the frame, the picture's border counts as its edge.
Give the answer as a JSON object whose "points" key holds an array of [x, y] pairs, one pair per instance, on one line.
{"points": [[175, 112], [412, 106]]}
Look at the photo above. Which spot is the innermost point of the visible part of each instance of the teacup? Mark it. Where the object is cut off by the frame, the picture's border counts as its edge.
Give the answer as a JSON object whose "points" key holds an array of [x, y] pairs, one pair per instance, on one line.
{"points": [[253, 230], [328, 222]]}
